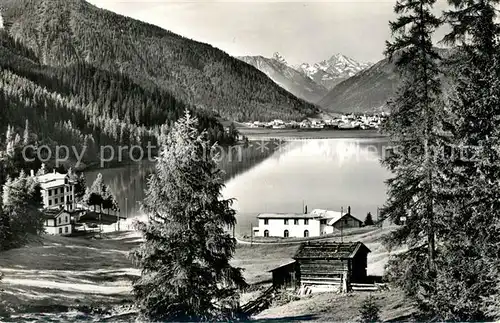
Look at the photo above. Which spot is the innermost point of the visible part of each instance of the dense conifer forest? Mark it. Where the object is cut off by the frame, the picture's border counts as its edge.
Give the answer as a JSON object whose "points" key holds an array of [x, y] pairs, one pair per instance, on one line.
{"points": [[76, 37]]}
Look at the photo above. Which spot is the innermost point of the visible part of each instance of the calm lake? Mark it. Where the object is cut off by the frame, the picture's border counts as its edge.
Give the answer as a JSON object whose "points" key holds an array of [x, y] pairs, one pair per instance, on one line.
{"points": [[280, 177]]}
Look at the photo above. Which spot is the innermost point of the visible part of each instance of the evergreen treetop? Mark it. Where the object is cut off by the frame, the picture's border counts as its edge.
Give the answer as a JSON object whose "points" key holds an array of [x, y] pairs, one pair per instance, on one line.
{"points": [[186, 274]]}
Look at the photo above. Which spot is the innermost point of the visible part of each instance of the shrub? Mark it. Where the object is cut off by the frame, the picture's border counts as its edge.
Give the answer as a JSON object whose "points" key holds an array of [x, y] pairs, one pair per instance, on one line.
{"points": [[369, 311]]}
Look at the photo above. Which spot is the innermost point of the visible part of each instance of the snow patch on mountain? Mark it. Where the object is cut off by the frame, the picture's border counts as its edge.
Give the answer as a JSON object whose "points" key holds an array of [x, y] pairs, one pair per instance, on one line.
{"points": [[283, 74], [278, 57], [332, 71]]}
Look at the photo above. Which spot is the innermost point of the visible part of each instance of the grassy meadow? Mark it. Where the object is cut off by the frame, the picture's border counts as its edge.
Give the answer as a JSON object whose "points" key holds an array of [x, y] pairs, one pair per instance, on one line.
{"points": [[59, 274]]}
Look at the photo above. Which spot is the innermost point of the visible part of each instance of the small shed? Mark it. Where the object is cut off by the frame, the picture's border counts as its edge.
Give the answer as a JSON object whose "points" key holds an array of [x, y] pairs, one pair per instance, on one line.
{"points": [[285, 276], [331, 263]]}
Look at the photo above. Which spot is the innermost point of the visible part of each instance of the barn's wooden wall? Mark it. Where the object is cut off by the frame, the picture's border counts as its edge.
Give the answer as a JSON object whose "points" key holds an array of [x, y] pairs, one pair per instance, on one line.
{"points": [[318, 271]]}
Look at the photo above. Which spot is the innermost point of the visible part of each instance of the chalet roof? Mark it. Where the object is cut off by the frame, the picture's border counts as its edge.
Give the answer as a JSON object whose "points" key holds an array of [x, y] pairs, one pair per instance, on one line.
{"points": [[51, 177], [286, 216], [329, 250], [327, 214], [53, 213], [332, 216]]}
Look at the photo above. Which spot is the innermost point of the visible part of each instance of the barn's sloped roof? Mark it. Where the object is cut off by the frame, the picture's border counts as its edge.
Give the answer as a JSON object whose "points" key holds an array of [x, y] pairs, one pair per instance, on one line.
{"points": [[329, 250], [288, 264]]}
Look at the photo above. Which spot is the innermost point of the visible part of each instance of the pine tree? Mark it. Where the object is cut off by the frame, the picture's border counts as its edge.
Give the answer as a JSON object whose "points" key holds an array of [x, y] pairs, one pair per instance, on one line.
{"points": [[26, 134], [42, 171], [465, 279], [415, 131], [186, 274], [21, 204], [9, 141], [369, 311], [369, 219], [80, 186]]}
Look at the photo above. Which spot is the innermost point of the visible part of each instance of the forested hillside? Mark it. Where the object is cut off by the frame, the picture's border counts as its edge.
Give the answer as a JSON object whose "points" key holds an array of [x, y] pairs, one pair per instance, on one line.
{"points": [[80, 105], [65, 33]]}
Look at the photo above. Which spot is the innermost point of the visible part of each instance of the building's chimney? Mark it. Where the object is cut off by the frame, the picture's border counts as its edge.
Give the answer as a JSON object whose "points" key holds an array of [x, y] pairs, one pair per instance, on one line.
{"points": [[32, 172], [348, 210], [341, 210], [305, 209]]}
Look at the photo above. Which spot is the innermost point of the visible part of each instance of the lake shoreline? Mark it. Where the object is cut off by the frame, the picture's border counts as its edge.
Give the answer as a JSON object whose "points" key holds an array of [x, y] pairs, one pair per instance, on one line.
{"points": [[263, 134]]}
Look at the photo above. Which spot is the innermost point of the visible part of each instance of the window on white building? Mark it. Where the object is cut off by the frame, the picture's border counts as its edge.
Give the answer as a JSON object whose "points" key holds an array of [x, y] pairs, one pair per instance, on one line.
{"points": [[56, 200], [286, 234], [266, 233], [266, 221], [66, 229], [306, 221], [50, 192], [60, 230], [306, 233], [50, 202], [59, 220], [286, 221], [296, 222]]}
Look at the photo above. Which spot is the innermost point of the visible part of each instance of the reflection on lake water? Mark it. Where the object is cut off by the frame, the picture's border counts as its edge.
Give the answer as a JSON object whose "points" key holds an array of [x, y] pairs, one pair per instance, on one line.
{"points": [[327, 174], [281, 177]]}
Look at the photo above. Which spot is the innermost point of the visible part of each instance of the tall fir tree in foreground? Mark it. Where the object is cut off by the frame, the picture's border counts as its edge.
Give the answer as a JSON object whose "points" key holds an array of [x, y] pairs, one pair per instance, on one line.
{"points": [[470, 261], [415, 131], [186, 274]]}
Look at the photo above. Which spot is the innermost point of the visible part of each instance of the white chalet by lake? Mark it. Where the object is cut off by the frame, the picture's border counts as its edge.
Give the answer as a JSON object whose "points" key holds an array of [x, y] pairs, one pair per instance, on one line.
{"points": [[316, 223], [57, 222]]}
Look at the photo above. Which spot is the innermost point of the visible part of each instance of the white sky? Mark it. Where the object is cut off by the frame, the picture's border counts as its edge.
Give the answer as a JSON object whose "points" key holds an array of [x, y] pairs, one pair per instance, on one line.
{"points": [[300, 31]]}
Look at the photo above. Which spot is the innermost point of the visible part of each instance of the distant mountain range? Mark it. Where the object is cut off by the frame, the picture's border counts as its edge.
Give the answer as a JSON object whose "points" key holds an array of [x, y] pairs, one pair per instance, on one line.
{"points": [[369, 90], [292, 80], [359, 88], [366, 92], [308, 81], [332, 71]]}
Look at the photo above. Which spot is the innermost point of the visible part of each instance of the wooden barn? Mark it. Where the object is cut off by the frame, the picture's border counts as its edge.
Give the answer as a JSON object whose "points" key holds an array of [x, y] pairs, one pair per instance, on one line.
{"points": [[285, 276], [332, 263], [324, 265]]}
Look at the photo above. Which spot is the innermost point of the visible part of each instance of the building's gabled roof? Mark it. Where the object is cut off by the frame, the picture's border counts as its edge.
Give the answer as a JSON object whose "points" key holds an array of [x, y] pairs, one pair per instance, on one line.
{"points": [[326, 214], [53, 213], [332, 216], [329, 250], [286, 216], [49, 177], [335, 220]]}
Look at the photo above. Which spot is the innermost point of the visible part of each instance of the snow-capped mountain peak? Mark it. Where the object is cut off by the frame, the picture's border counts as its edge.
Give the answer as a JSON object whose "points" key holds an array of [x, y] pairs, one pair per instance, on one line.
{"points": [[278, 57], [332, 71]]}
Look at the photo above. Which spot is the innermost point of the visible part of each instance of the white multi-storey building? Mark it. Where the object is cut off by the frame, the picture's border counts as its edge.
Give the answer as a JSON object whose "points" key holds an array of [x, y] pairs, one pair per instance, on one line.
{"points": [[58, 196], [314, 224], [58, 191]]}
